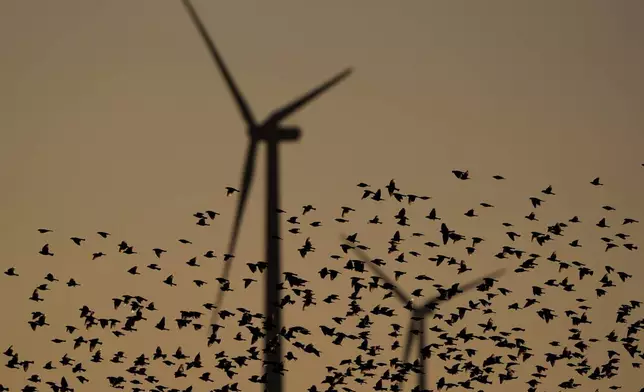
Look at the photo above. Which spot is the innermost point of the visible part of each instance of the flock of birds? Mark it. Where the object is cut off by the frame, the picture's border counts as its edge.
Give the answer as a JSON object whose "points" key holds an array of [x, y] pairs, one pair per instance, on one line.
{"points": [[377, 362]]}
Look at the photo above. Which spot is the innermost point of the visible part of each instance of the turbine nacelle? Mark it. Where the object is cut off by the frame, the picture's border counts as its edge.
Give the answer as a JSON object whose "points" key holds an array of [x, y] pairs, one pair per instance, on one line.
{"points": [[289, 133], [279, 133]]}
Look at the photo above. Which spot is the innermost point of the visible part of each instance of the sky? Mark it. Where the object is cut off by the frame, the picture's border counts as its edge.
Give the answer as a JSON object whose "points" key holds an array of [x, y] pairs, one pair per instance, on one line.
{"points": [[113, 117]]}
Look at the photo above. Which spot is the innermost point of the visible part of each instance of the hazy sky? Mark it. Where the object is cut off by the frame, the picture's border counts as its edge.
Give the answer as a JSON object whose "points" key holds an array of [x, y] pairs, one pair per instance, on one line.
{"points": [[113, 117]]}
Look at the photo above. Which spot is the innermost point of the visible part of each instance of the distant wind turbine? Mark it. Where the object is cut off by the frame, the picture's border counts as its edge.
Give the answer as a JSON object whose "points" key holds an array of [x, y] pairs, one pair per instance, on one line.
{"points": [[420, 313]]}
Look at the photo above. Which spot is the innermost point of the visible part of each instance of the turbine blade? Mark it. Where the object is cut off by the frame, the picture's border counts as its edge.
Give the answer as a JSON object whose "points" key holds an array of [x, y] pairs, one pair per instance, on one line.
{"points": [[287, 110], [365, 257], [241, 102], [247, 178], [468, 286], [407, 351], [408, 341]]}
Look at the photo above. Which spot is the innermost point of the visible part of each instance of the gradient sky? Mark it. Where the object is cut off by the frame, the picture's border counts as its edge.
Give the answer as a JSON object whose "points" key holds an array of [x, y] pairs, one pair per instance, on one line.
{"points": [[113, 117]]}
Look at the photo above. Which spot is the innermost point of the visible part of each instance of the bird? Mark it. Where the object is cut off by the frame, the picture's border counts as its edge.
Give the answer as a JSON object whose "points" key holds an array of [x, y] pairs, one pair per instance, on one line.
{"points": [[11, 271], [45, 251], [461, 175], [230, 190], [212, 214], [78, 241]]}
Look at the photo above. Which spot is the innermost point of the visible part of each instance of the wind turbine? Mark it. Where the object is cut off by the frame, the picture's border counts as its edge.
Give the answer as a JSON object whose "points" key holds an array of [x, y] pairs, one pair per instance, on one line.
{"points": [[272, 132], [420, 313]]}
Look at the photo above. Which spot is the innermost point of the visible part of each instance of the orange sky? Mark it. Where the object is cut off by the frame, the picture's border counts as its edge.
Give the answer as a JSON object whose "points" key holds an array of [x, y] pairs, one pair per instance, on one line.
{"points": [[114, 118]]}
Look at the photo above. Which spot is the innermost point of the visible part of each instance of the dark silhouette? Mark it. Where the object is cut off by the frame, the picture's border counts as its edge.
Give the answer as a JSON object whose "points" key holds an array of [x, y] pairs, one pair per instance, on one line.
{"points": [[272, 132], [420, 313]]}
